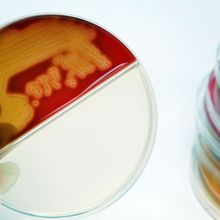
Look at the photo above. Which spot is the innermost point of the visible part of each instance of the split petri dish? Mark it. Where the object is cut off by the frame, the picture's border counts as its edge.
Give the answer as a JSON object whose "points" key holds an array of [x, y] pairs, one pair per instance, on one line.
{"points": [[77, 117]]}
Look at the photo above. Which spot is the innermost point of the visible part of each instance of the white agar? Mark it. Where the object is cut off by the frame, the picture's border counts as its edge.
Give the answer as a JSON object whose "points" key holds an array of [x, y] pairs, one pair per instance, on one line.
{"points": [[90, 155]]}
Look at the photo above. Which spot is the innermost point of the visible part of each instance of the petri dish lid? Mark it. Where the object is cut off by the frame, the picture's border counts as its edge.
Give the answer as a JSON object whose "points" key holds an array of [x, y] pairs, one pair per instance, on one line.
{"points": [[77, 120]]}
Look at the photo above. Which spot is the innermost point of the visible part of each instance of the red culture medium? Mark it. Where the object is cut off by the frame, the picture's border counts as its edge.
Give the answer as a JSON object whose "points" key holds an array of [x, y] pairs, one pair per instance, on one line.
{"points": [[213, 107]]}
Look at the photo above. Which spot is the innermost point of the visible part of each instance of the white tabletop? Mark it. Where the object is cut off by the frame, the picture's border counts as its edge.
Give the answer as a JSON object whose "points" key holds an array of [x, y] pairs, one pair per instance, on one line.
{"points": [[176, 41]]}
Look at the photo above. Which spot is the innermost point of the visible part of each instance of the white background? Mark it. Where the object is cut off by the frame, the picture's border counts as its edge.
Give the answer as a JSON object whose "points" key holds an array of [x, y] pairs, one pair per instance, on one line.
{"points": [[176, 41]]}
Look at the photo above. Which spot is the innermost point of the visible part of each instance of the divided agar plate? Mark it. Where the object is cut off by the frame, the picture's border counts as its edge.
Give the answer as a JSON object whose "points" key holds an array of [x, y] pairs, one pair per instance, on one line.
{"points": [[77, 117]]}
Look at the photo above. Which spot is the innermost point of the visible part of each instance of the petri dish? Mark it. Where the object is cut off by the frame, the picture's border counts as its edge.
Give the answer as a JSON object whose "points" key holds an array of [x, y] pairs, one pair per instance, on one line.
{"points": [[212, 104], [205, 179], [205, 166], [77, 117]]}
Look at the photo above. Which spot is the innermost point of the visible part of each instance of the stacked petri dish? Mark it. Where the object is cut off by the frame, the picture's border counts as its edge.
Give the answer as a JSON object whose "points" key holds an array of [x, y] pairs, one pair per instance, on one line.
{"points": [[206, 152]]}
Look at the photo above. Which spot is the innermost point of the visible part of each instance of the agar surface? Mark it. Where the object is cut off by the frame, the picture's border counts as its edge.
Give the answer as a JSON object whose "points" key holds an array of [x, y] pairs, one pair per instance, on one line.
{"points": [[72, 57], [44, 85]]}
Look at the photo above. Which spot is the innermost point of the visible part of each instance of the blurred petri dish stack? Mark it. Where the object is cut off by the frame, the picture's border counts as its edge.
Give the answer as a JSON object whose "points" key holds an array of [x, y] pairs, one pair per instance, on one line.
{"points": [[206, 153]]}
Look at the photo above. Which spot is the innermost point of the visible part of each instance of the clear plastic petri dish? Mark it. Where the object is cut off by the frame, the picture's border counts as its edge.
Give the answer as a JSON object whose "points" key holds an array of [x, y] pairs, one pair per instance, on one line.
{"points": [[212, 105], [204, 124], [205, 178], [78, 117]]}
